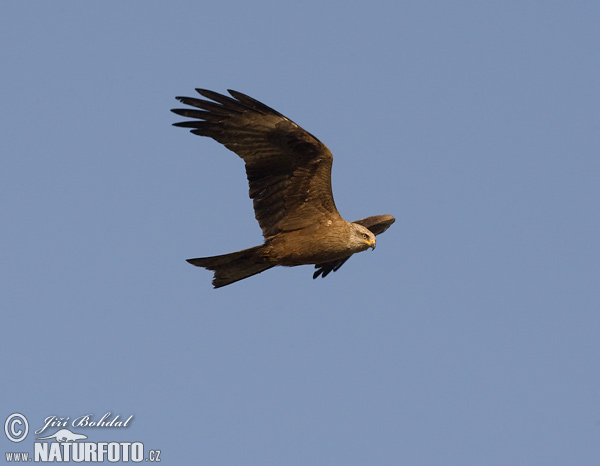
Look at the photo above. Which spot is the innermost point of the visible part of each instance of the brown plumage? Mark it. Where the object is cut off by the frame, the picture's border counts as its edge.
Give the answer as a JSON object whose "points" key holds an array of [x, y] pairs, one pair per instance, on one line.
{"points": [[289, 175]]}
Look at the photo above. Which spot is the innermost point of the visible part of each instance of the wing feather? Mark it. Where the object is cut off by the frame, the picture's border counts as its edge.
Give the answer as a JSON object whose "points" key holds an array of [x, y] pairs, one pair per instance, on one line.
{"points": [[288, 169]]}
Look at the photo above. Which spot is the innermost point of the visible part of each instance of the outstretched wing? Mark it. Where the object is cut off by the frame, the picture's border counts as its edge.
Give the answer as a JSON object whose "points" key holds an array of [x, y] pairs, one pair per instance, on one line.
{"points": [[377, 224], [288, 169]]}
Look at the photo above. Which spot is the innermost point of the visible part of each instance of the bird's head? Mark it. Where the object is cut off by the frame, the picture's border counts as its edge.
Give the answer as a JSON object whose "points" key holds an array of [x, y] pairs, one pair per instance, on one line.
{"points": [[362, 238]]}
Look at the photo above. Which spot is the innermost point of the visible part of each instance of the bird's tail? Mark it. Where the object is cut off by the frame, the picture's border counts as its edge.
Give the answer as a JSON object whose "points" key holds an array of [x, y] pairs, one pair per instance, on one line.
{"points": [[230, 268]]}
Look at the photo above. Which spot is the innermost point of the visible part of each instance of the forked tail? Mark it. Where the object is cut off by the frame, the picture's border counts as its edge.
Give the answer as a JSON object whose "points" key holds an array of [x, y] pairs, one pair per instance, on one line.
{"points": [[230, 268]]}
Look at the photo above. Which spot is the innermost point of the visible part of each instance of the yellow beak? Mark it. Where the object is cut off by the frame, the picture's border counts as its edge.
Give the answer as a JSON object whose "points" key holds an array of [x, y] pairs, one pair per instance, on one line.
{"points": [[371, 244]]}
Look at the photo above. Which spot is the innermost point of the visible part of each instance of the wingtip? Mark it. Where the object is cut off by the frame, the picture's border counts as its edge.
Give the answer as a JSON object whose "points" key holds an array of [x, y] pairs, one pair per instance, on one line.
{"points": [[193, 124], [206, 93], [182, 111]]}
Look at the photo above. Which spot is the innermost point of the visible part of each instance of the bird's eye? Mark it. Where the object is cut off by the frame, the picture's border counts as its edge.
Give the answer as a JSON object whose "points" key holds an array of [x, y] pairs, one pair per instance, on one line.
{"points": [[365, 236]]}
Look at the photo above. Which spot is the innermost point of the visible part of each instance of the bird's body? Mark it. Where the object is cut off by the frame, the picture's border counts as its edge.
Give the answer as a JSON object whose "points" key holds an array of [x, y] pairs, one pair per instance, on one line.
{"points": [[289, 175], [298, 247]]}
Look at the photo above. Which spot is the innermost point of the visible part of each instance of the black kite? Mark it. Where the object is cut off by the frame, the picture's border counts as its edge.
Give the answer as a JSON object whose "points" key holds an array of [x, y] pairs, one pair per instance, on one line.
{"points": [[289, 173]]}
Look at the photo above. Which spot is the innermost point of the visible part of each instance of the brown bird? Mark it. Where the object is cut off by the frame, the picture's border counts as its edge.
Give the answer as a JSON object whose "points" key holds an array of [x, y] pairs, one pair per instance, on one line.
{"points": [[289, 174]]}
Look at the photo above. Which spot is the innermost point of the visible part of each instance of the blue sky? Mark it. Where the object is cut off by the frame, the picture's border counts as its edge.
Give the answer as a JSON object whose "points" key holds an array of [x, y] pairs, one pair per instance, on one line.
{"points": [[469, 337]]}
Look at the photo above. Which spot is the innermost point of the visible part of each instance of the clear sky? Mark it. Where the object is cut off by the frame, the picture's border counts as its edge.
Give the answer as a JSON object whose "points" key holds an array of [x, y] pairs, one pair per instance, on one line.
{"points": [[470, 336]]}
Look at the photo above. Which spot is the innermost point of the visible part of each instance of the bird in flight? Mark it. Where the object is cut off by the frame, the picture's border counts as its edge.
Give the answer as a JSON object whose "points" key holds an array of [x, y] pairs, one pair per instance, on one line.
{"points": [[289, 174]]}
